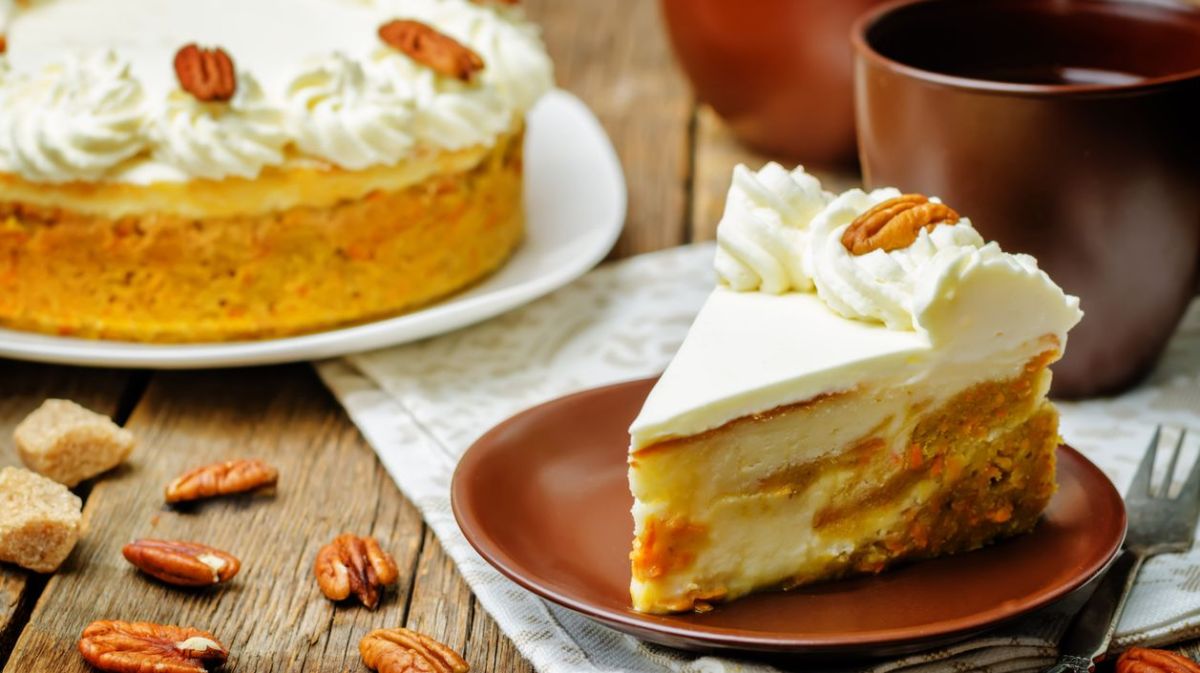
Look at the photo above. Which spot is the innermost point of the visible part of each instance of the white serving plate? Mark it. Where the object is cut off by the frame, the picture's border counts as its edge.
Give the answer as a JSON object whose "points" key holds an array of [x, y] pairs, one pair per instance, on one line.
{"points": [[575, 208]]}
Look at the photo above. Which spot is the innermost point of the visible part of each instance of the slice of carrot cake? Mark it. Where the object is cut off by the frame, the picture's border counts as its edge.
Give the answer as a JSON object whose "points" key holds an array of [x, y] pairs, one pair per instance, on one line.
{"points": [[866, 384]]}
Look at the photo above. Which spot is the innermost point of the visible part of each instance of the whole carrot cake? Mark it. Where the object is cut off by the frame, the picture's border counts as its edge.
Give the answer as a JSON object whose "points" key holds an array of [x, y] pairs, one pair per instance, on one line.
{"points": [[181, 171]]}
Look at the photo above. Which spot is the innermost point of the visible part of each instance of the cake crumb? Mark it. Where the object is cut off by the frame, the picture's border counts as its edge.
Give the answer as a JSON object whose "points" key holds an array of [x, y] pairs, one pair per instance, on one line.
{"points": [[39, 520], [68, 443]]}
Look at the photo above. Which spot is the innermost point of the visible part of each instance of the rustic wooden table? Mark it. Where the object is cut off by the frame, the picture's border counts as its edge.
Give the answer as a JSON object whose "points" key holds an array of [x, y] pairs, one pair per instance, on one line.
{"points": [[677, 158]]}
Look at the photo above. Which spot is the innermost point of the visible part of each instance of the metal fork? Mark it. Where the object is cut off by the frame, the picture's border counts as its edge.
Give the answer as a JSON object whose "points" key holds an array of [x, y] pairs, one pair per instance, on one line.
{"points": [[1158, 524]]}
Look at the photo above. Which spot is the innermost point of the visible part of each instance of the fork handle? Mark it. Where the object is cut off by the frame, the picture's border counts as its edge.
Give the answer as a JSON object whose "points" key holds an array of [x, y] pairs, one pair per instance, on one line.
{"points": [[1090, 631], [1071, 664]]}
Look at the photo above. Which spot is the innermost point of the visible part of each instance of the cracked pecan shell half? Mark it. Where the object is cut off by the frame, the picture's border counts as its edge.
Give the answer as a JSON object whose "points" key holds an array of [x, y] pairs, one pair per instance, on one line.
{"points": [[185, 564], [895, 224], [353, 565], [405, 651], [1145, 660], [224, 478], [207, 74], [143, 647], [429, 47]]}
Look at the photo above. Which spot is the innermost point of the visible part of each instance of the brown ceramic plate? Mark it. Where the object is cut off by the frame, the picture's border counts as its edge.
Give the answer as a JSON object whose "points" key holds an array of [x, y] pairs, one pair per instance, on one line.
{"points": [[543, 497]]}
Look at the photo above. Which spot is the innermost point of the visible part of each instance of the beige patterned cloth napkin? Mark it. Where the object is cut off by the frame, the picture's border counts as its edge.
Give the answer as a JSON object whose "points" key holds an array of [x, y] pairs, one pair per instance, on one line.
{"points": [[421, 405]]}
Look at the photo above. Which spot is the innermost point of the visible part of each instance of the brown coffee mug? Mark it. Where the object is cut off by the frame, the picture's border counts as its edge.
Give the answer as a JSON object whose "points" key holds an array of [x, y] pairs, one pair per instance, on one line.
{"points": [[1069, 130], [777, 71]]}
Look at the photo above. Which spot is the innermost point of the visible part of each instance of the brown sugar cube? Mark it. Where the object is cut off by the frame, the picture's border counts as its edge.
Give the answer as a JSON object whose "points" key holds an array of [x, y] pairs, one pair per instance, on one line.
{"points": [[39, 520], [69, 444]]}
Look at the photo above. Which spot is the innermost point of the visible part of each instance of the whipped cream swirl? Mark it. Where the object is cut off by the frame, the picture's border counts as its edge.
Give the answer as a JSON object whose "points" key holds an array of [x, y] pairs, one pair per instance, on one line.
{"points": [[216, 140], [878, 285], [782, 233], [69, 115], [516, 65], [447, 113], [73, 120], [900, 287], [343, 117], [762, 240]]}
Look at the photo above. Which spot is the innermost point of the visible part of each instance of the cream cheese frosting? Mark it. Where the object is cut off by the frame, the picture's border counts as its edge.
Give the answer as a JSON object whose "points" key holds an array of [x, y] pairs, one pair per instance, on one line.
{"points": [[88, 92], [764, 236], [215, 140], [341, 117], [446, 112], [795, 315]]}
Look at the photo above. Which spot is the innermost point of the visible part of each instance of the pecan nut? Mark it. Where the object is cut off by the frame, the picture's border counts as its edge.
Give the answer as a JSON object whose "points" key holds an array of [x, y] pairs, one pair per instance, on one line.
{"points": [[405, 651], [225, 478], [185, 564], [425, 45], [137, 647], [207, 74], [1144, 660], [895, 223], [354, 565]]}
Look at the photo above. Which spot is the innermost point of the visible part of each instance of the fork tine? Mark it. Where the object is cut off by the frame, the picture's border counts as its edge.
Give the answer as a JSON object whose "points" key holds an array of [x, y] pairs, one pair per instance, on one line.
{"points": [[1140, 487], [1191, 488], [1170, 479]]}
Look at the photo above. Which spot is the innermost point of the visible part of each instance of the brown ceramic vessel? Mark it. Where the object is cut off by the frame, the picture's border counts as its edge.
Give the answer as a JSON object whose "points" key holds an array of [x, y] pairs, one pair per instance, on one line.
{"points": [[777, 71], [1069, 130], [545, 499]]}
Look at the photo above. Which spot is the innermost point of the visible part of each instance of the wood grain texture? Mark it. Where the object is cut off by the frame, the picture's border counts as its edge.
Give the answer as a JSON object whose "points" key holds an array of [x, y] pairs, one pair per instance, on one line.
{"points": [[271, 616], [23, 387], [489, 649], [442, 604], [614, 55], [717, 152]]}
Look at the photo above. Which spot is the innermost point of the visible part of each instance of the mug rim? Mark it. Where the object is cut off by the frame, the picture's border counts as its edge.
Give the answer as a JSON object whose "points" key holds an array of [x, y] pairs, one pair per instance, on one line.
{"points": [[864, 49]]}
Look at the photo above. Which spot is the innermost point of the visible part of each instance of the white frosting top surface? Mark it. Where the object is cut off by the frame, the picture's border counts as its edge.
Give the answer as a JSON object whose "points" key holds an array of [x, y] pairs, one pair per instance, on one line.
{"points": [[88, 89], [796, 315]]}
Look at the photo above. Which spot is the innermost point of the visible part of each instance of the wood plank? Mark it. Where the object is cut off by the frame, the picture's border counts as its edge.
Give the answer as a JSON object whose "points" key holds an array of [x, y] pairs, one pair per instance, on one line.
{"points": [[614, 55], [488, 649], [24, 386], [441, 601], [443, 607], [717, 152], [272, 616]]}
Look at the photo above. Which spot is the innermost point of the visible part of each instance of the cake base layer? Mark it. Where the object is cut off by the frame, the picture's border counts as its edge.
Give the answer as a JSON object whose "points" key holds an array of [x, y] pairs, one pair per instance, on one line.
{"points": [[758, 504], [174, 278]]}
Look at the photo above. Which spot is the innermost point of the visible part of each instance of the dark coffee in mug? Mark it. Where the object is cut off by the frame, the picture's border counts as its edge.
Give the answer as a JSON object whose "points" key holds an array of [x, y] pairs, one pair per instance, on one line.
{"points": [[1077, 42], [1048, 74]]}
